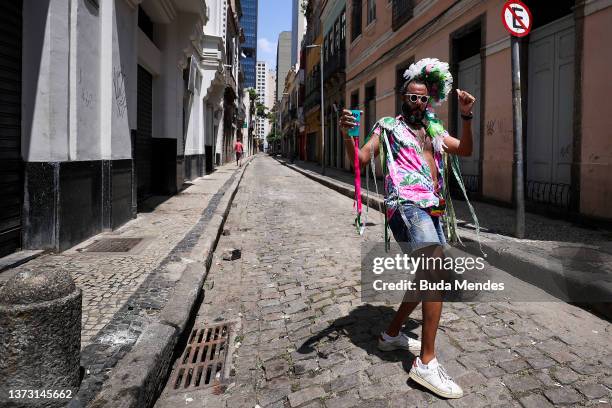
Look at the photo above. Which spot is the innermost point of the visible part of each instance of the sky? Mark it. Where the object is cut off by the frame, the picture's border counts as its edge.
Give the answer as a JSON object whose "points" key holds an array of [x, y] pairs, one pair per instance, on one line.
{"points": [[273, 17]]}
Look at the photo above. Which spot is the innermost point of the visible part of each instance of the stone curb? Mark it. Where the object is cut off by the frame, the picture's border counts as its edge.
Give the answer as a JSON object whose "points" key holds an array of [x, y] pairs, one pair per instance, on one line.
{"points": [[137, 379], [141, 375], [501, 256]]}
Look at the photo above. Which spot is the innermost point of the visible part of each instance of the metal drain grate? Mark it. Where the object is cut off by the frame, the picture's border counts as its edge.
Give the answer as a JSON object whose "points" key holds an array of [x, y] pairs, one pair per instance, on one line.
{"points": [[113, 245], [202, 364]]}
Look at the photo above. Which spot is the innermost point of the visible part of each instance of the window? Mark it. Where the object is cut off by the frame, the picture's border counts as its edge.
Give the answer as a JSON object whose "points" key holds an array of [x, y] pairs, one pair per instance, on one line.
{"points": [[326, 48], [355, 99], [401, 12], [370, 105], [145, 23], [356, 20], [337, 34], [343, 25], [371, 10]]}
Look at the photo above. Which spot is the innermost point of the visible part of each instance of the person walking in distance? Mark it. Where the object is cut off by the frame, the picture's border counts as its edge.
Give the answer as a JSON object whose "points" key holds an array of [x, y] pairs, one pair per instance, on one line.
{"points": [[414, 145], [238, 148]]}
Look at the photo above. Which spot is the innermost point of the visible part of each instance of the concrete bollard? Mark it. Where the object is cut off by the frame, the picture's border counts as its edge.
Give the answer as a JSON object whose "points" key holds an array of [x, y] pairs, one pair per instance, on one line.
{"points": [[40, 339]]}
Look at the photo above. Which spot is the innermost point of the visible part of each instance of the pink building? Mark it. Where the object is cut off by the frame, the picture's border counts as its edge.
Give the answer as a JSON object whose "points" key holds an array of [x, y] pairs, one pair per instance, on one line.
{"points": [[565, 84]]}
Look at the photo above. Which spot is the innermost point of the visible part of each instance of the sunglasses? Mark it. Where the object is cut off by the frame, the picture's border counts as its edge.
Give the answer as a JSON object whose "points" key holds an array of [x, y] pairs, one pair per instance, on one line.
{"points": [[414, 98]]}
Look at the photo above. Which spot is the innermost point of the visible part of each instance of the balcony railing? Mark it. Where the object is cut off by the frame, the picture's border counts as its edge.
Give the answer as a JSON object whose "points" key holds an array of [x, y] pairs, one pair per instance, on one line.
{"points": [[402, 12], [335, 64]]}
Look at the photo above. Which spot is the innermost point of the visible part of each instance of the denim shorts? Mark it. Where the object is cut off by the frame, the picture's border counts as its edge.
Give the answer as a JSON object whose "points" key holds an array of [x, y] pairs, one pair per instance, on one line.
{"points": [[422, 229]]}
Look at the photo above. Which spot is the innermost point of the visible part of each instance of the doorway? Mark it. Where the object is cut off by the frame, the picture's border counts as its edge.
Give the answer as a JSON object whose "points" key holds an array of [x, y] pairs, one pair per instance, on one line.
{"points": [[549, 152], [143, 151], [11, 164], [468, 79]]}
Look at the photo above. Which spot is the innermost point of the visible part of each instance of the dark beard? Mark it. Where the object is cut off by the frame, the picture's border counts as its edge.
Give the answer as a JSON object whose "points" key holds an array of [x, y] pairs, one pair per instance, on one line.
{"points": [[414, 117]]}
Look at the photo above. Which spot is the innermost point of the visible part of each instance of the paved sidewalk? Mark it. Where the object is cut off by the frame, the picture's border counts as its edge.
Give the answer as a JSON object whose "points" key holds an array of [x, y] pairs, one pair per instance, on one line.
{"points": [[124, 293], [303, 337], [571, 262]]}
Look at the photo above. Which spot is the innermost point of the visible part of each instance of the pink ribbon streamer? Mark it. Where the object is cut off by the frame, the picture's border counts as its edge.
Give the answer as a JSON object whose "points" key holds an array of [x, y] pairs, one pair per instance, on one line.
{"points": [[357, 167]]}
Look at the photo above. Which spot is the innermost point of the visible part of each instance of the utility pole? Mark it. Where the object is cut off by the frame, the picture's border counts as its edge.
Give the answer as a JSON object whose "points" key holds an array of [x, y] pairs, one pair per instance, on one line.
{"points": [[322, 116]]}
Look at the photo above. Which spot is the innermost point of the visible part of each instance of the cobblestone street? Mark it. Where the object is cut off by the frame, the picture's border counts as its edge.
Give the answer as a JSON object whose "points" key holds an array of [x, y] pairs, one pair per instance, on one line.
{"points": [[304, 338]]}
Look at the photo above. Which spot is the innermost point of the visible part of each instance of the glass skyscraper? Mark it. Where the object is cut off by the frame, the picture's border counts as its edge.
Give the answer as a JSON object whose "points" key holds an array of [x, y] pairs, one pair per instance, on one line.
{"points": [[248, 22]]}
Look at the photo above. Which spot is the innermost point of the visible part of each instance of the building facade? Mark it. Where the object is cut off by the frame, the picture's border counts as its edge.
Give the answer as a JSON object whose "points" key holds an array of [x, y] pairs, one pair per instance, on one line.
{"points": [[271, 86], [263, 89], [298, 29], [333, 23], [564, 57], [105, 104], [312, 82], [248, 22], [213, 80], [283, 61], [233, 106]]}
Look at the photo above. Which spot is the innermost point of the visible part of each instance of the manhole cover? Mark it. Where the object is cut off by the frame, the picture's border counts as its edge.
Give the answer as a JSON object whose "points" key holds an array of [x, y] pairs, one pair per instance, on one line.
{"points": [[113, 245], [203, 362]]}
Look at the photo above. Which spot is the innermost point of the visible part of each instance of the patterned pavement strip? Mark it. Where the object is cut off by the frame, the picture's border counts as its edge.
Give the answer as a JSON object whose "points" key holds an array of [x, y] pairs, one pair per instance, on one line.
{"points": [[305, 339]]}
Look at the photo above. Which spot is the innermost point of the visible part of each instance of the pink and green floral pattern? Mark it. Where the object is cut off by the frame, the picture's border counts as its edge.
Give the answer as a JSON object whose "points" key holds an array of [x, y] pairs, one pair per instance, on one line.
{"points": [[408, 179]]}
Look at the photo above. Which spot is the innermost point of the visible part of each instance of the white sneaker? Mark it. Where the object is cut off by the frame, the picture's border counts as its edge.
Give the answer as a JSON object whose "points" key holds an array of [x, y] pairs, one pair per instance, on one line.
{"points": [[401, 341], [435, 378]]}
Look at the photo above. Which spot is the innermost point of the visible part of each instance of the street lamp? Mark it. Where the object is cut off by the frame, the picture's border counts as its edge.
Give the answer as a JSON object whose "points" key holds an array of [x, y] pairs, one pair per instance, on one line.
{"points": [[281, 119], [322, 109]]}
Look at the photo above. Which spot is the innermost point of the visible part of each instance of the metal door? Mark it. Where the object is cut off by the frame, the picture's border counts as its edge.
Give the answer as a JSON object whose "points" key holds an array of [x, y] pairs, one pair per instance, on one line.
{"points": [[550, 111], [469, 80], [143, 145], [11, 166]]}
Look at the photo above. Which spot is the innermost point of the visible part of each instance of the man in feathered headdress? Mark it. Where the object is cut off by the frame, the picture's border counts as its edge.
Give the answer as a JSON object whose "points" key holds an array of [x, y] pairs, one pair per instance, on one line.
{"points": [[414, 146]]}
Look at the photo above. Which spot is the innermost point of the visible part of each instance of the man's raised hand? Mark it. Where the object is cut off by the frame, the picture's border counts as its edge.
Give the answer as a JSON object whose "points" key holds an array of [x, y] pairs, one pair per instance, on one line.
{"points": [[466, 101]]}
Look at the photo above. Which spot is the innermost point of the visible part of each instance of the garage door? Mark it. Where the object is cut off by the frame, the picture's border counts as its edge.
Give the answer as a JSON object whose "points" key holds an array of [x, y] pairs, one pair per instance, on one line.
{"points": [[11, 180]]}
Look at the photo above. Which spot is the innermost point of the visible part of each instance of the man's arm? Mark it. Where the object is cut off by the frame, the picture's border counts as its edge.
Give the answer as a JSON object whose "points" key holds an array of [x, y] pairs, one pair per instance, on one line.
{"points": [[346, 122], [464, 146], [365, 151], [461, 147]]}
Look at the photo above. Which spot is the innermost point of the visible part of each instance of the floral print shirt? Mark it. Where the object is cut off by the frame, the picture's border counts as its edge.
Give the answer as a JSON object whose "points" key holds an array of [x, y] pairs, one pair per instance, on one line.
{"points": [[409, 179]]}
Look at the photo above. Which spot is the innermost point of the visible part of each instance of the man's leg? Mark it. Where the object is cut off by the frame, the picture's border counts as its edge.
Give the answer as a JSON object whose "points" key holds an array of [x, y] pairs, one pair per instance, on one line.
{"points": [[432, 306], [431, 320], [400, 317]]}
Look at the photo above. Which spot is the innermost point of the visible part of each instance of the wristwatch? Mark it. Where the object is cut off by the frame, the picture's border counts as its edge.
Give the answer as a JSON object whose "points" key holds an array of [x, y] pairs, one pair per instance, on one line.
{"points": [[467, 117]]}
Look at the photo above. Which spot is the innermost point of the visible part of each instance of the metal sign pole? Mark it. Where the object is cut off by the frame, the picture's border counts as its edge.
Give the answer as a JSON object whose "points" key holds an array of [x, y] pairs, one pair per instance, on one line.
{"points": [[517, 127], [322, 119]]}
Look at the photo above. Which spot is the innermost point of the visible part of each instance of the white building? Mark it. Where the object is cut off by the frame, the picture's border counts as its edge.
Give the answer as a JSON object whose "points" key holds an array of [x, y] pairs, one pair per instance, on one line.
{"points": [[262, 87], [298, 28], [283, 61], [113, 101], [213, 79], [271, 84]]}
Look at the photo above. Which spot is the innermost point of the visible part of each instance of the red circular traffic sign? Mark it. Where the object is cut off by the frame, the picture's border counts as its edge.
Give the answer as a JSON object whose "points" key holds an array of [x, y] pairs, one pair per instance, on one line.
{"points": [[517, 18]]}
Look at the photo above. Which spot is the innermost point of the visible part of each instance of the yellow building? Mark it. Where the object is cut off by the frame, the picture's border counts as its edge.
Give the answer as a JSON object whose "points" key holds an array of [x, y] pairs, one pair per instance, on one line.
{"points": [[312, 80]]}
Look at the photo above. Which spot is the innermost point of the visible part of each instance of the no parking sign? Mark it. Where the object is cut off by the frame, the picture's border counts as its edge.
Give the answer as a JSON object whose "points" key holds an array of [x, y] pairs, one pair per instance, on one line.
{"points": [[517, 18]]}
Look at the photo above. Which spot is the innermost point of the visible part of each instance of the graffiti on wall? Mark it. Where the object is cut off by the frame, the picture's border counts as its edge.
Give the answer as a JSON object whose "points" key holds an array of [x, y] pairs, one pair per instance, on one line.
{"points": [[119, 91]]}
